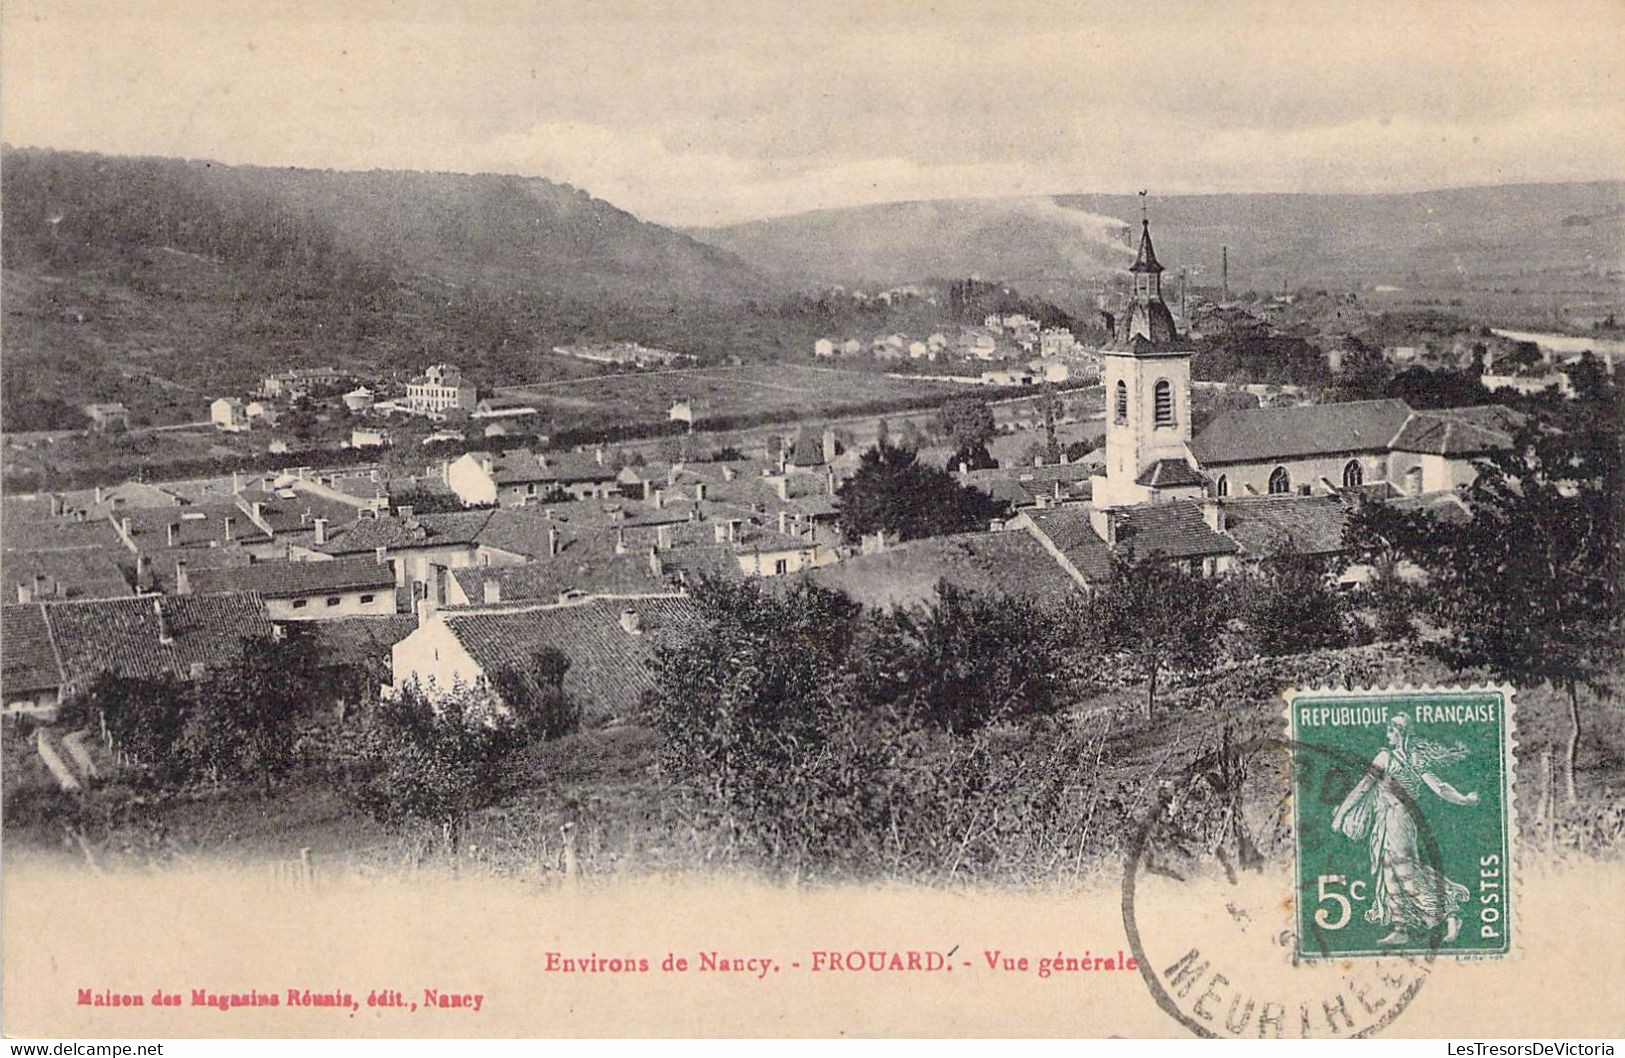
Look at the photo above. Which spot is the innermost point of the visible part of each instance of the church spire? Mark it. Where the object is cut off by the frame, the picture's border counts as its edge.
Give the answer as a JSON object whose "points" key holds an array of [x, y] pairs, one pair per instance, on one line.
{"points": [[1146, 260]]}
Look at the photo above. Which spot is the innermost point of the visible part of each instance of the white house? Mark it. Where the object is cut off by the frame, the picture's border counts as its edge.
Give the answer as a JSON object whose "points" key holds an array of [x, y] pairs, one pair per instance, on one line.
{"points": [[304, 591], [228, 414], [439, 390], [609, 641]]}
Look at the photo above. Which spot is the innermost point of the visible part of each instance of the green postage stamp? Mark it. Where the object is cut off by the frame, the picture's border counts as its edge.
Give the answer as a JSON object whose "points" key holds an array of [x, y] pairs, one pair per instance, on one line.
{"points": [[1403, 821]]}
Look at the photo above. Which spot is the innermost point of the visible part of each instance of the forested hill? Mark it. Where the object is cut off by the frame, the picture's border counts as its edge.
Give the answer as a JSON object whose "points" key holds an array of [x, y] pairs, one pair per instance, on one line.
{"points": [[1563, 237], [188, 276]]}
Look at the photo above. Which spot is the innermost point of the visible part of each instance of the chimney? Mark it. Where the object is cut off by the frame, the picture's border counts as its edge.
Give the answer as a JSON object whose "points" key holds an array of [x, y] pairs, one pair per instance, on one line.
{"points": [[24, 593], [39, 586], [425, 610], [321, 530], [1038, 459], [1213, 514], [56, 505], [964, 469], [829, 480], [174, 533], [784, 519], [236, 482], [165, 634], [140, 572], [620, 540], [491, 590], [729, 473], [663, 536], [381, 553], [405, 512], [183, 580], [720, 531], [98, 495], [259, 512], [699, 491], [660, 498], [231, 525], [552, 541], [656, 566], [598, 454], [781, 485], [631, 622], [124, 527]]}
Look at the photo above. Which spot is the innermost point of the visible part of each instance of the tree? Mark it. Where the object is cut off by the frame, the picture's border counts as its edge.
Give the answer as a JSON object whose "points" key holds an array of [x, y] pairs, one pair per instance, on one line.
{"points": [[245, 716], [894, 493], [971, 457], [143, 718], [967, 660], [1528, 585], [967, 422], [533, 690], [1290, 605], [1158, 614], [747, 703], [436, 761]]}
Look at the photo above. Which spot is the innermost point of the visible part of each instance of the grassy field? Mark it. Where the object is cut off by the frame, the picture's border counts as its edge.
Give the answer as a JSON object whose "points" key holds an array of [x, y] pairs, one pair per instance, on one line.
{"points": [[787, 390]]}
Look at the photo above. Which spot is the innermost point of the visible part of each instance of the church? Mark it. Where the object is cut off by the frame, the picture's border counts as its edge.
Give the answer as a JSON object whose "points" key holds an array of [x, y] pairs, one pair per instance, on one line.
{"points": [[1380, 447]]}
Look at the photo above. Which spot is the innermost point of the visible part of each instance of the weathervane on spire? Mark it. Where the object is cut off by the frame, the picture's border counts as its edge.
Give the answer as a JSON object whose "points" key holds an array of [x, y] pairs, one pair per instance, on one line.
{"points": [[1143, 219]]}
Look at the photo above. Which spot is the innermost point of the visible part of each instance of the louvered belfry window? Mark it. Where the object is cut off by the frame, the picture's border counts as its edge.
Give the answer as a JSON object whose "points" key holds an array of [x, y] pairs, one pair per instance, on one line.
{"points": [[1122, 402], [1164, 399]]}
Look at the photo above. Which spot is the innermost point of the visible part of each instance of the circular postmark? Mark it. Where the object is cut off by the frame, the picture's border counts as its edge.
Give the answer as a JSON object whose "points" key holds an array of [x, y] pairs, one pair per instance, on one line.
{"points": [[1210, 902]]}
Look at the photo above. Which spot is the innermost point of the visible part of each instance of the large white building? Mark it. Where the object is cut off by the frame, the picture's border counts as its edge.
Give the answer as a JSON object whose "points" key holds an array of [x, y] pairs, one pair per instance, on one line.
{"points": [[441, 389]]}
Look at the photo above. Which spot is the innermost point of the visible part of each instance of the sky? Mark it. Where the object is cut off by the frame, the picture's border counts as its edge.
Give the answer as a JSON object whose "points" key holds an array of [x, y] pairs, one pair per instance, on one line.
{"points": [[702, 113]]}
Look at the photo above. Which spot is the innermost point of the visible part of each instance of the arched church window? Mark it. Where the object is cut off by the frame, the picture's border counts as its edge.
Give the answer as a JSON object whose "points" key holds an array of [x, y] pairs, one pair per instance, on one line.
{"points": [[1122, 402], [1222, 486], [1280, 481], [1164, 402], [1353, 475]]}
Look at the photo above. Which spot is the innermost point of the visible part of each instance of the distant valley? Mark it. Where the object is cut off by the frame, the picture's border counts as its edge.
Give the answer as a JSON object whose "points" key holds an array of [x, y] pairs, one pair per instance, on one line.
{"points": [[1558, 238]]}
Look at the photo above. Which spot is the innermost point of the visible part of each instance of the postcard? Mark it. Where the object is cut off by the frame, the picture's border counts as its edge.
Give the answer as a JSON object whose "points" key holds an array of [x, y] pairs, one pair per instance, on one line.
{"points": [[564, 519]]}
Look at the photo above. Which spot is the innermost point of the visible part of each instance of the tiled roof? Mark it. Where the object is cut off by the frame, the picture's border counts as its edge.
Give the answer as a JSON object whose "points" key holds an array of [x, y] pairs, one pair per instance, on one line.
{"points": [[1459, 432], [55, 534], [578, 568], [1005, 563], [76, 573], [1068, 529], [365, 642], [197, 525], [423, 530], [28, 660], [702, 560], [1309, 525], [286, 580], [1172, 530], [1257, 435], [1169, 473], [609, 667], [289, 510], [161, 563], [124, 635]]}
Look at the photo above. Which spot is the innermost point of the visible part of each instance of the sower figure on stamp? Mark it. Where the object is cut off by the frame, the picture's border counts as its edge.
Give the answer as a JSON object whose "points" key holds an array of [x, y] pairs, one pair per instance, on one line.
{"points": [[1407, 894]]}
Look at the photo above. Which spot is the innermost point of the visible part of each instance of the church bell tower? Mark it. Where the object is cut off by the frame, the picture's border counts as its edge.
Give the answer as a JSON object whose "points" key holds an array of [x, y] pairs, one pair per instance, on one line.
{"points": [[1147, 369]]}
